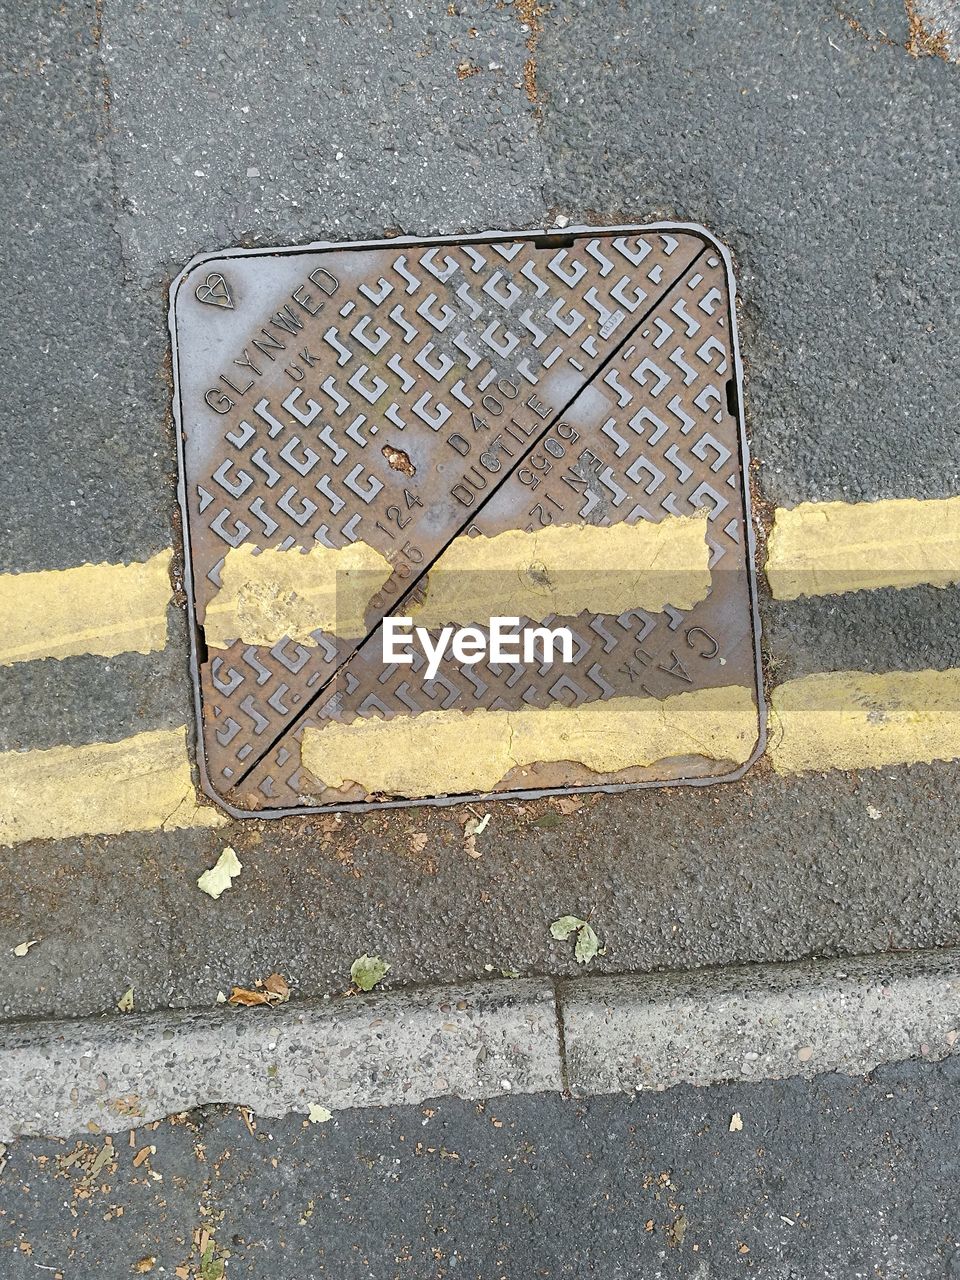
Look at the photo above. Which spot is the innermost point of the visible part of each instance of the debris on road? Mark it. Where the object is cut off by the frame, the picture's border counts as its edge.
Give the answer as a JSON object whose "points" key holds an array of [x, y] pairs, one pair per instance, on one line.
{"points": [[273, 990], [22, 948], [366, 971], [125, 1003], [736, 1122], [568, 804], [221, 875], [472, 828], [318, 1114], [588, 944]]}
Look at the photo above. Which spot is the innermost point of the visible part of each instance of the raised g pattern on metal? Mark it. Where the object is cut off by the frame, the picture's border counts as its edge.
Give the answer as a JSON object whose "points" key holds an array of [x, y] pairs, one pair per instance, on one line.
{"points": [[348, 357]]}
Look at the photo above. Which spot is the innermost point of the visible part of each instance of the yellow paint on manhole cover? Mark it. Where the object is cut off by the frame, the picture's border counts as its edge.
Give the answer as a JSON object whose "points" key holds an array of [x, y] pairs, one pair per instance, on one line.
{"points": [[466, 516]]}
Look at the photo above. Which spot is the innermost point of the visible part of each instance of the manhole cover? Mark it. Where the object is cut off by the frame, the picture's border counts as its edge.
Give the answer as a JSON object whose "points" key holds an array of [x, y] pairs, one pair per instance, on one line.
{"points": [[466, 517]]}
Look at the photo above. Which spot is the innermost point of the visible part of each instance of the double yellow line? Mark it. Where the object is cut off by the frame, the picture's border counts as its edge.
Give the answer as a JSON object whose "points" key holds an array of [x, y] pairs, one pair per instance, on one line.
{"points": [[839, 720]]}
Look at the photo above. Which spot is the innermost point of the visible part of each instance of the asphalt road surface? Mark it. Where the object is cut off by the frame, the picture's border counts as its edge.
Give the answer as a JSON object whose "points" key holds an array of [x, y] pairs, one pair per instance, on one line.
{"points": [[830, 1179], [817, 141], [811, 141]]}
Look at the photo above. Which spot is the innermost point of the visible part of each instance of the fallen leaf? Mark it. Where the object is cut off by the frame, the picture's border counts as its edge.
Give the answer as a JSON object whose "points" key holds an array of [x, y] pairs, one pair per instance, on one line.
{"points": [[221, 998], [476, 826], [246, 997], [367, 971], [247, 1116], [125, 1003], [211, 1267], [22, 948], [561, 929], [221, 875], [588, 944], [569, 804], [736, 1122], [273, 990], [547, 821], [418, 841], [277, 988], [143, 1266], [318, 1114]]}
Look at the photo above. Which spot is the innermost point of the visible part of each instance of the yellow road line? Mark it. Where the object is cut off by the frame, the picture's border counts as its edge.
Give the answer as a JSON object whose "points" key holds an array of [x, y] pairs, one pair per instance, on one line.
{"points": [[141, 783], [102, 609], [267, 595], [445, 752], [840, 720], [561, 569], [856, 720], [827, 548], [564, 569]]}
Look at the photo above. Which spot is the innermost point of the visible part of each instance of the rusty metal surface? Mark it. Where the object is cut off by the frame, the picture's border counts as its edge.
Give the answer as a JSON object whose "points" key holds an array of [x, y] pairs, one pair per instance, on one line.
{"points": [[333, 394]]}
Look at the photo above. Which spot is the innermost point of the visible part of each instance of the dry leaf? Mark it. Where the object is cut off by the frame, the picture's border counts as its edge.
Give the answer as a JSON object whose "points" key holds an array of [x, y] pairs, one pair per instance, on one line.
{"points": [[277, 989], [22, 948], [246, 1115], [569, 804], [247, 998], [221, 875], [125, 1003], [418, 842], [272, 990], [318, 1114], [476, 826], [736, 1122], [104, 1156], [143, 1266]]}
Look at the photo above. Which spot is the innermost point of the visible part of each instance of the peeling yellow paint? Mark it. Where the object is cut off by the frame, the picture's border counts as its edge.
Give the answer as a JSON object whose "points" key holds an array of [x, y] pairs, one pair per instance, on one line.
{"points": [[857, 720], [827, 548], [102, 609], [450, 752], [563, 569], [274, 593], [141, 783]]}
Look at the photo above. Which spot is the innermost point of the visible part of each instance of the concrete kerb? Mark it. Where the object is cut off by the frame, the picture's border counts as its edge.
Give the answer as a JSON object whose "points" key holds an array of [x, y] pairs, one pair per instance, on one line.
{"points": [[590, 1035]]}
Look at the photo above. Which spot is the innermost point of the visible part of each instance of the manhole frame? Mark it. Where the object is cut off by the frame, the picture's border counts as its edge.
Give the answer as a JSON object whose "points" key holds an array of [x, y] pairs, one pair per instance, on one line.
{"points": [[489, 237]]}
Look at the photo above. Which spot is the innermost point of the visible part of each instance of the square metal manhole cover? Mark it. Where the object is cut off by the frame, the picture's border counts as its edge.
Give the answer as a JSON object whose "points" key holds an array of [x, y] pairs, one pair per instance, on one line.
{"points": [[466, 517]]}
